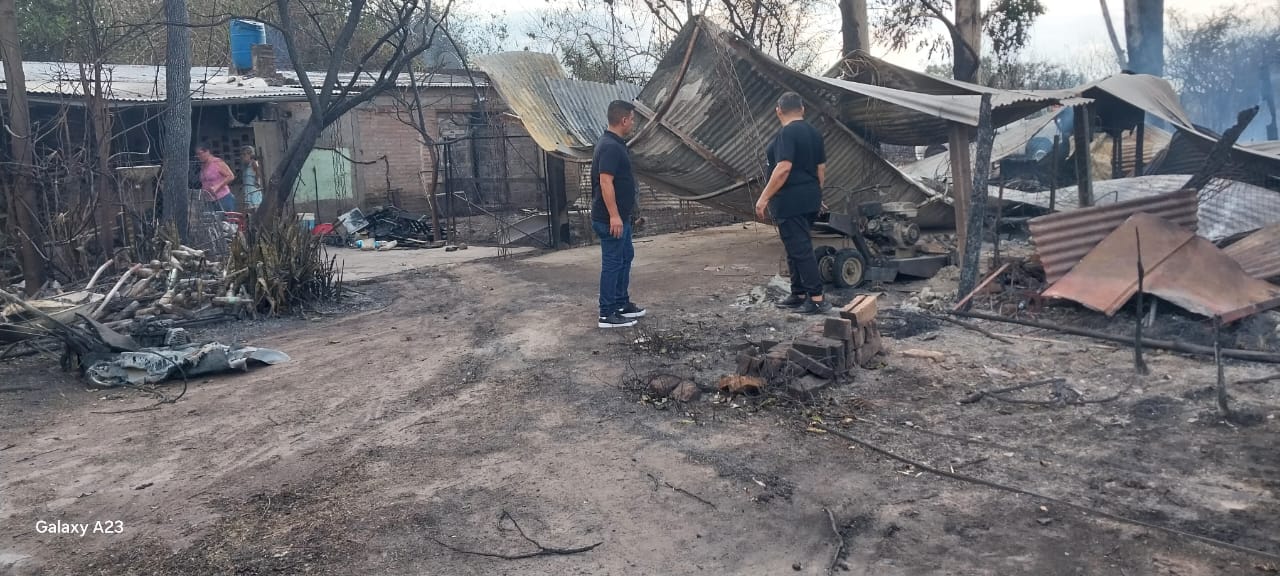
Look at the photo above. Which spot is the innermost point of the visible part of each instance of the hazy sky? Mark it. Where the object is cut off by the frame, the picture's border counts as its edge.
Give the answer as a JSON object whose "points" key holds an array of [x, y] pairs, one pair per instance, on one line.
{"points": [[1069, 32]]}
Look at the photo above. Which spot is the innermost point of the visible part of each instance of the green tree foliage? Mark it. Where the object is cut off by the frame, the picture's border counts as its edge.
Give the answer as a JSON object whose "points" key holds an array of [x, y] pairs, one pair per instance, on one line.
{"points": [[908, 24], [1019, 75]]}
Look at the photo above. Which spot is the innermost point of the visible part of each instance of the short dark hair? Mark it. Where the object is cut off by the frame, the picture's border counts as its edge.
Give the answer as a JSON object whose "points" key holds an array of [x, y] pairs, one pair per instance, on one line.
{"points": [[619, 109], [204, 146], [790, 102]]}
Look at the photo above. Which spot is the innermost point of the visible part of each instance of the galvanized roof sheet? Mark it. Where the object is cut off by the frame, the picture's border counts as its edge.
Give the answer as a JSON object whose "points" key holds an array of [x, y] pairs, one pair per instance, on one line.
{"points": [[135, 83], [583, 106], [131, 83], [1225, 208]]}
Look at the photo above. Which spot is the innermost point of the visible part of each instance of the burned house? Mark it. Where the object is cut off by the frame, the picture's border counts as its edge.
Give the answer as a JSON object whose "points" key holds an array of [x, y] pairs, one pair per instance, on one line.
{"points": [[372, 156]]}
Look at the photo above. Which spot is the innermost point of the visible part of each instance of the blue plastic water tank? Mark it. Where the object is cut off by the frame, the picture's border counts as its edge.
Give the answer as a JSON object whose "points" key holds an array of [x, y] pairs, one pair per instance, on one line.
{"points": [[244, 34]]}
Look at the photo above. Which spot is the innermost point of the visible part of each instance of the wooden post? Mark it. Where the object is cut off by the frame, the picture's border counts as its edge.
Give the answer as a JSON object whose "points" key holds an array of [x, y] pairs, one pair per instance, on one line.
{"points": [[557, 201], [1269, 98], [1140, 148], [1084, 169], [961, 180], [1053, 174], [1117, 156]]}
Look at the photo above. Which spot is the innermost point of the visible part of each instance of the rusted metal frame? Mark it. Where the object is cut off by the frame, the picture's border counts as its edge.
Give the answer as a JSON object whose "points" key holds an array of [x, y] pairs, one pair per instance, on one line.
{"points": [[656, 118], [697, 147]]}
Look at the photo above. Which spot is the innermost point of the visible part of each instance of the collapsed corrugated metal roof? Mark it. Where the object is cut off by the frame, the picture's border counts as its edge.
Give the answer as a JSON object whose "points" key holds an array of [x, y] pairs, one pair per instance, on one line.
{"points": [[1189, 149], [1063, 239], [523, 79], [1178, 266], [584, 105], [1225, 207], [1259, 253], [708, 113], [141, 84]]}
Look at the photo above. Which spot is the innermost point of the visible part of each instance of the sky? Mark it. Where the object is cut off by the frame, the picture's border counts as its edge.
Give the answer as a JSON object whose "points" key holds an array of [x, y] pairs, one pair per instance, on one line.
{"points": [[1071, 32]]}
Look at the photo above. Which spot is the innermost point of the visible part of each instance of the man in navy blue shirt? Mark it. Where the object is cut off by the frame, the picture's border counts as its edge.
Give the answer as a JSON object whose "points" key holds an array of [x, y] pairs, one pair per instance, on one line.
{"points": [[613, 193], [793, 197]]}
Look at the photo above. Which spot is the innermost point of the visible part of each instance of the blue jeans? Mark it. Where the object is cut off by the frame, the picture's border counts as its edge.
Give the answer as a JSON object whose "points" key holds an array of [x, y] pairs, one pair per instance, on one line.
{"points": [[225, 204], [616, 255]]}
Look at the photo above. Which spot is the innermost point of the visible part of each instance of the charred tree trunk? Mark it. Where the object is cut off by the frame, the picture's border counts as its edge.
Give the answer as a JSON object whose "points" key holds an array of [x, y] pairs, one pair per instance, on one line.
{"points": [[19, 129], [966, 41], [1144, 35], [971, 257], [855, 32], [105, 205], [175, 130]]}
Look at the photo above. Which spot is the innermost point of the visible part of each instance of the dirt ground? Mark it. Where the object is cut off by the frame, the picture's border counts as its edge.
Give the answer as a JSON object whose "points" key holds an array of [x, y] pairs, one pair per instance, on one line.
{"points": [[400, 434]]}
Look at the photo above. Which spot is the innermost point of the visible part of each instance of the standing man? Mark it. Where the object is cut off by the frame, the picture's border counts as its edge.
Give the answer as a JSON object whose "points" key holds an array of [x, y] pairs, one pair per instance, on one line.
{"points": [[793, 196], [613, 193]]}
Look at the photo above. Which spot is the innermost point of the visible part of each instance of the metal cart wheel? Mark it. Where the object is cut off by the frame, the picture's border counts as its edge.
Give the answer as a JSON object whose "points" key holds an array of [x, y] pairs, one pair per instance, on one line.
{"points": [[850, 268], [826, 257]]}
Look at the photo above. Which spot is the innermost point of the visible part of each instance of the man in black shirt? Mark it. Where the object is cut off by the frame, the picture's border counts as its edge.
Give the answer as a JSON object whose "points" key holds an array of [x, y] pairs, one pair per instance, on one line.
{"points": [[613, 193], [793, 197]]}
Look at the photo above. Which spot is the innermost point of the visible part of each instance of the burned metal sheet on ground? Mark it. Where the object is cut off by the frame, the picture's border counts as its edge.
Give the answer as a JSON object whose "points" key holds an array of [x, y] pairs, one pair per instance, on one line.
{"points": [[1258, 253], [152, 365], [1225, 208], [1064, 238], [1178, 266]]}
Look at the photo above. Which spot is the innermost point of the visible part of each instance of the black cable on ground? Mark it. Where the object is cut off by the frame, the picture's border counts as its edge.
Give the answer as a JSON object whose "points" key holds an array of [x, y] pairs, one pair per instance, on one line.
{"points": [[1056, 501]]}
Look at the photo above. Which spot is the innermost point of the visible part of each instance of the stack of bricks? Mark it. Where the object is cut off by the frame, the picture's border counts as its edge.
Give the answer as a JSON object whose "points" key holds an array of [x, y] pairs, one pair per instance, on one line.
{"points": [[834, 347]]}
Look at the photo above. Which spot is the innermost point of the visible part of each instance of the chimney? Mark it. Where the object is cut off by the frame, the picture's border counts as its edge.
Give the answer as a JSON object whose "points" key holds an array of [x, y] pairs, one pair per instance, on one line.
{"points": [[264, 64]]}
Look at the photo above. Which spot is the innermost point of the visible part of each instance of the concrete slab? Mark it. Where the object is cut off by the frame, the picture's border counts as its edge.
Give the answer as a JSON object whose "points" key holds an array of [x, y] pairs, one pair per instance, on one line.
{"points": [[361, 265]]}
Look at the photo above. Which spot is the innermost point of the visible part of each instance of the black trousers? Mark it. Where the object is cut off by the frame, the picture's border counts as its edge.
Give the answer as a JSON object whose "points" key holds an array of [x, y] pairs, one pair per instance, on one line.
{"points": [[799, 246]]}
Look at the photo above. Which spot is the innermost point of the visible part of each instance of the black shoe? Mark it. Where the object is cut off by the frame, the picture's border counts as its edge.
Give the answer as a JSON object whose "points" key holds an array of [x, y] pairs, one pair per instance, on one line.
{"points": [[811, 307], [631, 311], [792, 301], [616, 321]]}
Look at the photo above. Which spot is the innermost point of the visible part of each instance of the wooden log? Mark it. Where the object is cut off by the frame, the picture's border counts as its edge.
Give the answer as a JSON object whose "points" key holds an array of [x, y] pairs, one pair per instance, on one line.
{"points": [[811, 364]]}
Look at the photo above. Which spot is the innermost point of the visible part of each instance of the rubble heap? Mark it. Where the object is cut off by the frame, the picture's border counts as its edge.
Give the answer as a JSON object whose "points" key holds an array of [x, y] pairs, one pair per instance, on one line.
{"points": [[826, 351]]}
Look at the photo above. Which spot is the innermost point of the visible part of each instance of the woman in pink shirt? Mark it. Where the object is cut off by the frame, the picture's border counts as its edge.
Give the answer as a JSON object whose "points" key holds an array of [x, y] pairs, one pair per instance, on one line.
{"points": [[215, 176]]}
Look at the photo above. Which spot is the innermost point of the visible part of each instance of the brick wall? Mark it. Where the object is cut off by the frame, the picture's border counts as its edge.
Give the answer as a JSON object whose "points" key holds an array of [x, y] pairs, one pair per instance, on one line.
{"points": [[375, 130]]}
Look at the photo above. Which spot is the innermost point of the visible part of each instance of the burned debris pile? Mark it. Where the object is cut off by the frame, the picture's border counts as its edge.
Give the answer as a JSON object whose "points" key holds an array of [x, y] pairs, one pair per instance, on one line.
{"points": [[828, 351]]}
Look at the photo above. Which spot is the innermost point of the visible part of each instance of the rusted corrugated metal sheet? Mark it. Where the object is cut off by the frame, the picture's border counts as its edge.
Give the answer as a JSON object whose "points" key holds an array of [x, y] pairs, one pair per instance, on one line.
{"points": [[1258, 253], [1064, 238], [522, 80], [1178, 266]]}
